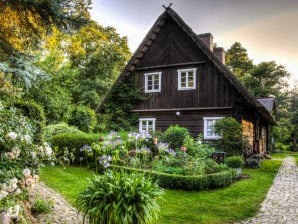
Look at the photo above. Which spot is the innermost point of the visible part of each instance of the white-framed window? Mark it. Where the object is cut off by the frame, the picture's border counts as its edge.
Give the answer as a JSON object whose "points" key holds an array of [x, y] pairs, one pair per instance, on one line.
{"points": [[152, 82], [187, 79], [209, 127], [147, 124]]}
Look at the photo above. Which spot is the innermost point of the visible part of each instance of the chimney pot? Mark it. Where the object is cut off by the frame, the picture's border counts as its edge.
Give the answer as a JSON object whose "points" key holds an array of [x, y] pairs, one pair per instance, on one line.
{"points": [[219, 52], [207, 39]]}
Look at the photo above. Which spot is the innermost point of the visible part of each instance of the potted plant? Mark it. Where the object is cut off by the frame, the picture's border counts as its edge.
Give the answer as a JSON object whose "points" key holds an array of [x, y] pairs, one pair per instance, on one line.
{"points": [[235, 162]]}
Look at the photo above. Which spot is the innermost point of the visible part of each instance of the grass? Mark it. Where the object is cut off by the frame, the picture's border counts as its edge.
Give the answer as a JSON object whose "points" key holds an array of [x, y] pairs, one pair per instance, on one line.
{"points": [[237, 202], [284, 154], [69, 182]]}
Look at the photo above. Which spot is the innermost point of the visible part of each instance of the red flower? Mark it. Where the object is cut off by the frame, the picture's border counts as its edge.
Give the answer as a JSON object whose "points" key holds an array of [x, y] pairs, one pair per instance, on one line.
{"points": [[183, 149]]}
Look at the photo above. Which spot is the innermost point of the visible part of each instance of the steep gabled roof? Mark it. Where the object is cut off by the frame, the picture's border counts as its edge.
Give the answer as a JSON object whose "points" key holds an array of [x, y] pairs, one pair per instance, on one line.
{"points": [[151, 36]]}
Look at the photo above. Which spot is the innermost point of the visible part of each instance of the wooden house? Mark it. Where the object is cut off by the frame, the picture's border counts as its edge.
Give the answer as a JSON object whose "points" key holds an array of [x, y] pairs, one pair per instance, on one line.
{"points": [[184, 81]]}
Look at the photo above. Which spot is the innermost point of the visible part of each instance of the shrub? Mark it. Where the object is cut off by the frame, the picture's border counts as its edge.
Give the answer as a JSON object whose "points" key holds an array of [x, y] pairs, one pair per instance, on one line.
{"points": [[42, 207], [175, 136], [72, 142], [82, 117], [120, 198], [230, 131], [235, 162], [60, 128], [212, 167], [36, 114], [189, 183]]}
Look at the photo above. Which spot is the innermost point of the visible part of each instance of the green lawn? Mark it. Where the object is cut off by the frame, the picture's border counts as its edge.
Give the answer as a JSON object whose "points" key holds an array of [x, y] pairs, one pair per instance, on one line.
{"points": [[237, 202], [282, 155]]}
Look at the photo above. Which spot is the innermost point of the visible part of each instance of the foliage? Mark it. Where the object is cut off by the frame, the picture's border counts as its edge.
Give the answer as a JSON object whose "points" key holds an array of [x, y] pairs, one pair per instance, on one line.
{"points": [[24, 23], [267, 79], [35, 113], [234, 161], [238, 60], [190, 183], [55, 99], [60, 128], [227, 205], [119, 102], [120, 198], [20, 157], [100, 53], [175, 136], [81, 117], [230, 132], [41, 206], [71, 141]]}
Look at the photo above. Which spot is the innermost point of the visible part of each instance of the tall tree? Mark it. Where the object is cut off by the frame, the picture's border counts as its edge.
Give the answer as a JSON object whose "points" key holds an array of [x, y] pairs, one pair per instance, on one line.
{"points": [[238, 60], [100, 54], [23, 24], [267, 79]]}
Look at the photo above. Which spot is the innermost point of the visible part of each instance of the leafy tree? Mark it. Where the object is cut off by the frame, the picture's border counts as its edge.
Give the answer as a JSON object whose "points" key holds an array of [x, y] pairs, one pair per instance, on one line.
{"points": [[294, 117], [230, 132], [100, 53], [267, 79], [23, 24], [238, 60]]}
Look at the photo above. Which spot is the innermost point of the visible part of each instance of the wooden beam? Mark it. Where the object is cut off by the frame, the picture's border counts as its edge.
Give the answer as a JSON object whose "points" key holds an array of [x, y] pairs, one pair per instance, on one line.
{"points": [[173, 65], [182, 109]]}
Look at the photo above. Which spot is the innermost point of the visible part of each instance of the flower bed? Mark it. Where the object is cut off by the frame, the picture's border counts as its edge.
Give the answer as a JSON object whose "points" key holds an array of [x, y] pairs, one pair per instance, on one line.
{"points": [[190, 183]]}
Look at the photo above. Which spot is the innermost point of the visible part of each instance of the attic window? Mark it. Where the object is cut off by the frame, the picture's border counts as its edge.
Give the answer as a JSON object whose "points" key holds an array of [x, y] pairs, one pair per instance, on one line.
{"points": [[147, 124], [152, 82], [187, 79]]}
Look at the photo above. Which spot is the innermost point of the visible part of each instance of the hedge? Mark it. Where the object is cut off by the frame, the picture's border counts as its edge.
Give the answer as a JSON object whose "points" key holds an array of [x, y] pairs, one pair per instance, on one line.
{"points": [[189, 183], [73, 141]]}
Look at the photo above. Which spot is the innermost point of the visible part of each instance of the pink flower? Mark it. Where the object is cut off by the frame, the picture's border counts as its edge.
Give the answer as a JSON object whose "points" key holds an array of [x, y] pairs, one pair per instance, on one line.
{"points": [[183, 149]]}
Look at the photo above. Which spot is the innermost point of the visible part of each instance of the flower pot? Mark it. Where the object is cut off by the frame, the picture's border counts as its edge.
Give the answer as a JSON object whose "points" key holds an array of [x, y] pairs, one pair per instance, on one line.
{"points": [[239, 171]]}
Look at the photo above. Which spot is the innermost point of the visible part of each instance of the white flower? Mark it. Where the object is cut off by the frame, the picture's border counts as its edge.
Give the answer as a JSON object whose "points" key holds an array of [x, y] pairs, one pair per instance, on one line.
{"points": [[26, 172], [18, 191], [3, 194], [48, 151], [13, 181], [13, 212], [27, 138], [33, 154], [10, 155], [16, 151], [1, 106], [12, 135]]}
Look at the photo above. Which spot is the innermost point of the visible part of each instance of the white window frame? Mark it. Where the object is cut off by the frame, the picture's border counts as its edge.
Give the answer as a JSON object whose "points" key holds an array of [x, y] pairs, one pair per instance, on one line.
{"points": [[206, 136], [194, 70], [146, 82], [147, 125]]}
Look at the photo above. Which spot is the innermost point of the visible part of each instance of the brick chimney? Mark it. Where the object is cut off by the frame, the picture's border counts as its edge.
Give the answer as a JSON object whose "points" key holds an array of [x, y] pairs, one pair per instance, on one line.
{"points": [[207, 39], [219, 52]]}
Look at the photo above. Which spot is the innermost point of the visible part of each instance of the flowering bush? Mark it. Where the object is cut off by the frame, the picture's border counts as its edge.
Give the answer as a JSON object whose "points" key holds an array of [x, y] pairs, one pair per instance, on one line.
{"points": [[19, 158]]}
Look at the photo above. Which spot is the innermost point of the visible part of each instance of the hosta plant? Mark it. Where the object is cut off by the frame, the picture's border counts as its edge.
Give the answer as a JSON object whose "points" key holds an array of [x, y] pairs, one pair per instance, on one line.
{"points": [[118, 198]]}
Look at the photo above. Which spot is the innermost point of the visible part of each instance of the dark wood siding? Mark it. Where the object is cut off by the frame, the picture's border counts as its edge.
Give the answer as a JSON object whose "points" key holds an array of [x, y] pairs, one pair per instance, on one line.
{"points": [[171, 46], [193, 120], [212, 89]]}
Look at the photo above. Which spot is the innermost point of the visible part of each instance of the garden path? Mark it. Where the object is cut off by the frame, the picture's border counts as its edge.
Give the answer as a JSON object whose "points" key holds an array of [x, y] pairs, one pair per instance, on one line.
{"points": [[281, 203], [62, 213]]}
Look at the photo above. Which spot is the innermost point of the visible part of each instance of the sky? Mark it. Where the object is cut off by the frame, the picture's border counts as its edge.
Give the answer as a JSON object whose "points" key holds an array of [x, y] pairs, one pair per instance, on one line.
{"points": [[268, 29]]}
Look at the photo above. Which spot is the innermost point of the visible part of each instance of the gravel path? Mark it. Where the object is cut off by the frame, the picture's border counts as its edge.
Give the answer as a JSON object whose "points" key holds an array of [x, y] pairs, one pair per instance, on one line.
{"points": [[281, 203], [62, 213]]}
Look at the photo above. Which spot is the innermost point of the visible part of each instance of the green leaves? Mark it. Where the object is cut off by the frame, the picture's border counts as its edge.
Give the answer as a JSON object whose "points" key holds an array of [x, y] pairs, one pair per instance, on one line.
{"points": [[119, 197]]}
